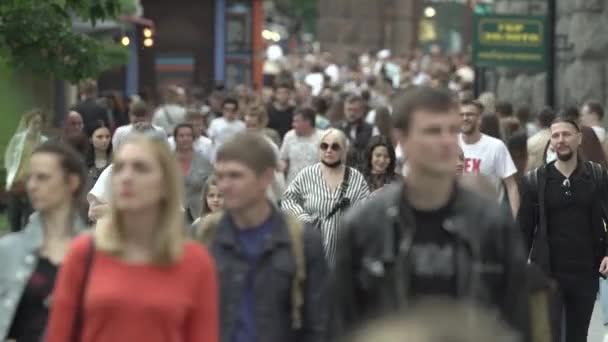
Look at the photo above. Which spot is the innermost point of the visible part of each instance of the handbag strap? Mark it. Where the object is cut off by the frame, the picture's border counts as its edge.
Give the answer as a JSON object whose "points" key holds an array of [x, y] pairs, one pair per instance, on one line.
{"points": [[79, 314], [343, 188]]}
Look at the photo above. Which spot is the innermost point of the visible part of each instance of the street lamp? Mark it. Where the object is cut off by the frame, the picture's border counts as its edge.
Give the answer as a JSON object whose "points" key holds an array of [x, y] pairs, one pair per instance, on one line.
{"points": [[147, 32], [429, 12], [125, 41], [148, 42]]}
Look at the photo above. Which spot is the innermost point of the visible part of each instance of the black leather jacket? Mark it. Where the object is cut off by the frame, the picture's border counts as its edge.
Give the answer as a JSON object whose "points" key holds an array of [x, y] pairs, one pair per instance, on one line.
{"points": [[372, 269], [273, 281], [532, 218]]}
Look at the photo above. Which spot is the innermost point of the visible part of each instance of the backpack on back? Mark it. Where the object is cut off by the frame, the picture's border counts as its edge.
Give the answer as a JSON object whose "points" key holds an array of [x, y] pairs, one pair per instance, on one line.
{"points": [[207, 232]]}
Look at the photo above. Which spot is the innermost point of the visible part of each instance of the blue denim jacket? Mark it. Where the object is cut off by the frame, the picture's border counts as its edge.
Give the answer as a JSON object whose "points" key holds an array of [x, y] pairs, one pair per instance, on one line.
{"points": [[18, 259], [273, 281]]}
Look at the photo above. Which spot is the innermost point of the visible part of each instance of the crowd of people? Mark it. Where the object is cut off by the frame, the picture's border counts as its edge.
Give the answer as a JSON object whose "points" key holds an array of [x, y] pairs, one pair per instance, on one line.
{"points": [[334, 197]]}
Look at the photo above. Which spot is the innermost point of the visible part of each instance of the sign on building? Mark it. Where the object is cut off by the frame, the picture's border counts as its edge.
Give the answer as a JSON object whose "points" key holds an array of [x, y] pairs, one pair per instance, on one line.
{"points": [[510, 41]]}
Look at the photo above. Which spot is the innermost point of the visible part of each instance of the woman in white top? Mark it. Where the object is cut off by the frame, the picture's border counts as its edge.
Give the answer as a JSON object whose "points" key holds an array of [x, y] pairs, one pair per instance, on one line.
{"points": [[322, 192]]}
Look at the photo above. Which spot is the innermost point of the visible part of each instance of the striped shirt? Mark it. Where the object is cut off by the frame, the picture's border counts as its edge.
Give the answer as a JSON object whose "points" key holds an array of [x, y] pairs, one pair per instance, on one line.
{"points": [[310, 199]]}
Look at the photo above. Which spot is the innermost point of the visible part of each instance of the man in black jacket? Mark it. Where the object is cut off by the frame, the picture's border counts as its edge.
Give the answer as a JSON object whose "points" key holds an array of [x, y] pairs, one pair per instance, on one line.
{"points": [[356, 130], [562, 218], [428, 237], [91, 112]]}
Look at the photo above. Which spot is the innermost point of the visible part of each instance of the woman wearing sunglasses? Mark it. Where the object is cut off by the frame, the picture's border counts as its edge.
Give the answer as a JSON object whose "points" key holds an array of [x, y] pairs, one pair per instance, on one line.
{"points": [[320, 193]]}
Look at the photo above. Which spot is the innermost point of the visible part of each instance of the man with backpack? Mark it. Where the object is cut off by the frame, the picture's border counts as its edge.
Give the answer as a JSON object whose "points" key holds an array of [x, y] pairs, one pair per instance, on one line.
{"points": [[562, 215], [272, 269]]}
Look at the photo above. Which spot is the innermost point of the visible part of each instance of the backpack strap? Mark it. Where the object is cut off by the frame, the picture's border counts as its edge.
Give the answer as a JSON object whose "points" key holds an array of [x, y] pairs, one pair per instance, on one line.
{"points": [[596, 173], [532, 180], [296, 232]]}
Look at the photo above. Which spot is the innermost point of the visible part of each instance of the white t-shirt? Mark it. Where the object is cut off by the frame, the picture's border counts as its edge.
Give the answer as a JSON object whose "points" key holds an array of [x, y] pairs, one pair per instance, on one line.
{"points": [[202, 145], [101, 191], [123, 131], [168, 116], [221, 130], [300, 152], [489, 156], [600, 132]]}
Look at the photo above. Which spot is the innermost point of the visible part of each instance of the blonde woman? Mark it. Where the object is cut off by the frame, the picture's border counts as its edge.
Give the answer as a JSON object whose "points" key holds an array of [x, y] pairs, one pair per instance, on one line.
{"points": [[212, 202], [320, 193], [16, 162], [136, 278]]}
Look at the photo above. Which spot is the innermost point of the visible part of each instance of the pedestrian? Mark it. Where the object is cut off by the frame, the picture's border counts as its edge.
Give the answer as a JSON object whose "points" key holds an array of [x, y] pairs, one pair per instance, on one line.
{"points": [[380, 163], [227, 125], [172, 112], [487, 155], [212, 202], [72, 133], [322, 192], [90, 110], [272, 272], [427, 237], [201, 144], [29, 259], [356, 130], [300, 146], [141, 121], [538, 142], [195, 169], [99, 154], [256, 120], [16, 162], [562, 218], [135, 278], [280, 112]]}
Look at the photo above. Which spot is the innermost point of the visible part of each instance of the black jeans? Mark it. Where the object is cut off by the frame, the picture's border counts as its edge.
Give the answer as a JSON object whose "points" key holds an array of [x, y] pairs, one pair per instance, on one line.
{"points": [[578, 299], [18, 211]]}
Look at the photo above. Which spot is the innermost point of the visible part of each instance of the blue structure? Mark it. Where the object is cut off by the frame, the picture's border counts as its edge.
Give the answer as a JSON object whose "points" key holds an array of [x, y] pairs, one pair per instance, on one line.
{"points": [[220, 38]]}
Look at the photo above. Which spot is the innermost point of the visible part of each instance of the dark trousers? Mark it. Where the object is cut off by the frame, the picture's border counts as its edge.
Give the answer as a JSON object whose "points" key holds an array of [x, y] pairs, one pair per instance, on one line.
{"points": [[18, 210], [578, 299]]}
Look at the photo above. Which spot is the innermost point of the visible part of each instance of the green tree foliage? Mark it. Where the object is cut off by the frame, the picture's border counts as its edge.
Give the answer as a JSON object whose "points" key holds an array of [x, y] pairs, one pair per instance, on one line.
{"points": [[37, 35]]}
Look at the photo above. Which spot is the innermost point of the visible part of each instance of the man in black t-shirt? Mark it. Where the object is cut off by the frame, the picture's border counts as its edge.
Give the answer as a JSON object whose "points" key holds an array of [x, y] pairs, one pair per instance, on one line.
{"points": [[562, 217], [427, 237], [280, 112]]}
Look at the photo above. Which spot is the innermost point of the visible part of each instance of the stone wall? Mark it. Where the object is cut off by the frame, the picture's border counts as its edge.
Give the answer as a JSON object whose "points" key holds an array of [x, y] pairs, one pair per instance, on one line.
{"points": [[356, 26], [581, 71]]}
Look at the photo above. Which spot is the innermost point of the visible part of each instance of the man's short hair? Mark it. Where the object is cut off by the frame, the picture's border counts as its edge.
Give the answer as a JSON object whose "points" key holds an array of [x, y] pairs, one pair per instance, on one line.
{"points": [[282, 85], [231, 100], [88, 87], [471, 102], [420, 98], [596, 108], [546, 117], [140, 109], [307, 114], [248, 148], [566, 119]]}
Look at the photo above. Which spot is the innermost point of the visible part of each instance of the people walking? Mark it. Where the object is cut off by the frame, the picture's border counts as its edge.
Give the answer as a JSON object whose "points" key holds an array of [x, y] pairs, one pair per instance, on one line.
{"points": [[272, 272], [380, 163], [322, 192], [562, 219], [136, 278], [29, 259], [427, 238]]}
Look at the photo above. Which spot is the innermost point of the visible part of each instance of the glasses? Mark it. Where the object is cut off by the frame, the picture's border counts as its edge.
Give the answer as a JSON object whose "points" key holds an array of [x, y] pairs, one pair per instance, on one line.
{"points": [[334, 147], [566, 187]]}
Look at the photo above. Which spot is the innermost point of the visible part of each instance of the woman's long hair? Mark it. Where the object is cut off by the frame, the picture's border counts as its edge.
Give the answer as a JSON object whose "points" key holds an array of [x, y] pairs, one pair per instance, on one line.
{"points": [[90, 156], [169, 234], [211, 181], [374, 142]]}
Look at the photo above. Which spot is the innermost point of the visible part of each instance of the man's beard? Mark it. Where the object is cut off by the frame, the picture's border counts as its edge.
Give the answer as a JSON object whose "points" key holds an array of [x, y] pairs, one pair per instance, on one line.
{"points": [[468, 130], [566, 156]]}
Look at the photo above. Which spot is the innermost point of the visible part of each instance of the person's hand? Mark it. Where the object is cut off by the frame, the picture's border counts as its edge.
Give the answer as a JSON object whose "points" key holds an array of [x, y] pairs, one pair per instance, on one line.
{"points": [[604, 266]]}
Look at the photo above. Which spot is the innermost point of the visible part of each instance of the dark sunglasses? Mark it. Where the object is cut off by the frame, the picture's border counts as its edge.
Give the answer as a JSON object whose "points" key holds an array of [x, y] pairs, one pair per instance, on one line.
{"points": [[334, 147]]}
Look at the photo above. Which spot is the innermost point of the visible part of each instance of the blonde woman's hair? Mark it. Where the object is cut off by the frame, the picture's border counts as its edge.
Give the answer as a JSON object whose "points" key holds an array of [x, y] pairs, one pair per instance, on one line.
{"points": [[169, 234], [341, 139]]}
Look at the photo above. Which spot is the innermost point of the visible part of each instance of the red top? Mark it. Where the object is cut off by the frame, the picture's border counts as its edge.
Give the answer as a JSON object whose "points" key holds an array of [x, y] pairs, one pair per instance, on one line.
{"points": [[137, 302]]}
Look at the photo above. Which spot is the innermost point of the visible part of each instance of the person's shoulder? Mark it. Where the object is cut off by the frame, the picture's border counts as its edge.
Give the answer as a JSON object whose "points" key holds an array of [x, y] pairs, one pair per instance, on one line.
{"points": [[491, 141], [377, 205], [291, 134], [195, 254]]}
